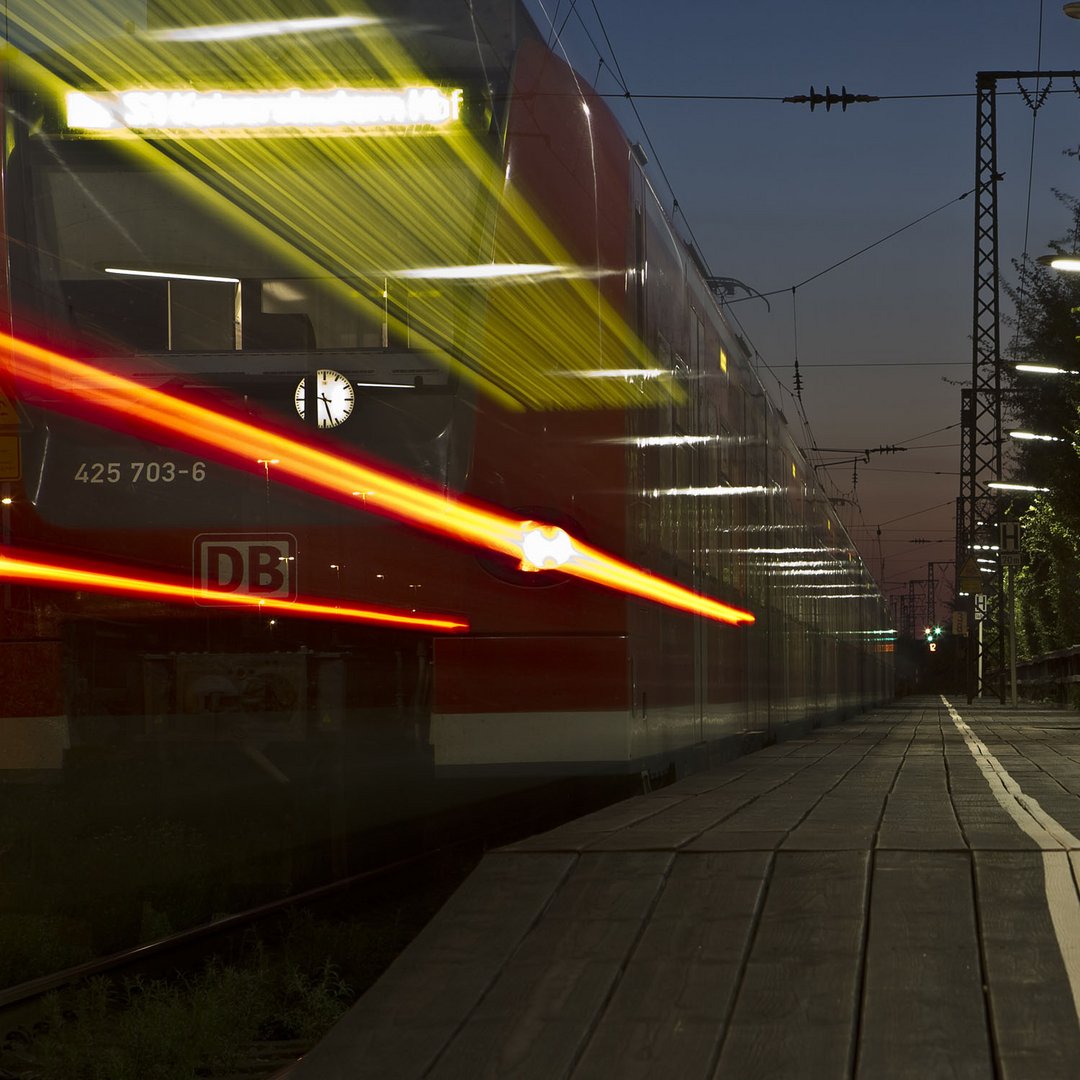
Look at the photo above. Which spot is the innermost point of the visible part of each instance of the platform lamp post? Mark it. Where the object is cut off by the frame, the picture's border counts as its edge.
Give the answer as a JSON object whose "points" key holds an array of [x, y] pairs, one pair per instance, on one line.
{"points": [[1011, 560]]}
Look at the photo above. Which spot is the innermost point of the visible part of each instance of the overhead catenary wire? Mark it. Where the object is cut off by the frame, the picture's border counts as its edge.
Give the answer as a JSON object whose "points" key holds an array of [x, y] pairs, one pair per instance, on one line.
{"points": [[936, 446], [617, 73], [939, 96], [919, 472], [627, 95], [911, 529]]}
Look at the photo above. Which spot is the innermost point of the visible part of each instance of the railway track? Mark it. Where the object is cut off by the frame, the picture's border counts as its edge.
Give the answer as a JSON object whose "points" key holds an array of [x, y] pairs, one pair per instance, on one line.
{"points": [[421, 882], [27, 1011]]}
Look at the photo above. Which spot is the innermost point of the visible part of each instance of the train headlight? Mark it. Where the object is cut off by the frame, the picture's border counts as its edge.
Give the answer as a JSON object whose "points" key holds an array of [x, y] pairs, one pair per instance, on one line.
{"points": [[545, 547]]}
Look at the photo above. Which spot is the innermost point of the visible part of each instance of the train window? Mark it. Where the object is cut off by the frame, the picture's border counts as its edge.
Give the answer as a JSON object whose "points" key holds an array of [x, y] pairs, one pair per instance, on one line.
{"points": [[83, 210], [202, 315]]}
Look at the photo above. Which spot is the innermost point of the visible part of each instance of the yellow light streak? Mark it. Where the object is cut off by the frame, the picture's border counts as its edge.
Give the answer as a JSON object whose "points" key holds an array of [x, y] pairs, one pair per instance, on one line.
{"points": [[340, 478], [356, 209], [265, 28], [500, 272]]}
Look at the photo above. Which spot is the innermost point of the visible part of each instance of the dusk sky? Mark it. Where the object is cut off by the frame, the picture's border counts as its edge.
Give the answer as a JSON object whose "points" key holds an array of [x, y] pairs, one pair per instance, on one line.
{"points": [[774, 194]]}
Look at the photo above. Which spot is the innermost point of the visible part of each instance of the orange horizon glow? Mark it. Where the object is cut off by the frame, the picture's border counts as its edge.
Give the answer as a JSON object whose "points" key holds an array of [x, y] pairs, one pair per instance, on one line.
{"points": [[21, 566], [311, 468]]}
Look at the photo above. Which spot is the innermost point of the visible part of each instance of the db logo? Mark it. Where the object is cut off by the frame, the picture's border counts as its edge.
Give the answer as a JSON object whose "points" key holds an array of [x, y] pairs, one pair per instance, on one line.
{"points": [[259, 564]]}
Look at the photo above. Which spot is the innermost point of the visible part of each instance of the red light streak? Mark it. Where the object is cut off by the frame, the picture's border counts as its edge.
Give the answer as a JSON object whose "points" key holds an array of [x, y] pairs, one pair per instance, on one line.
{"points": [[312, 468], [21, 567]]}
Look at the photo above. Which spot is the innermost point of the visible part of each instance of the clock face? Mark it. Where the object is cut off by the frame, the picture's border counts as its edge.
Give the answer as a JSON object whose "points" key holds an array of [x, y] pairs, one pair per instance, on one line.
{"points": [[336, 397]]}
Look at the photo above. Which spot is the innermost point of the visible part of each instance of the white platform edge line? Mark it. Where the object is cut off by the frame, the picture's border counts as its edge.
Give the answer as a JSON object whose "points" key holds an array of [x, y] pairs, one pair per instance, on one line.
{"points": [[1059, 850]]}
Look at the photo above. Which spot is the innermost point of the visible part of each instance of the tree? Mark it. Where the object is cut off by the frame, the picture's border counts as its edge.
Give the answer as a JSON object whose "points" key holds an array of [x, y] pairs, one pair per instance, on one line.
{"points": [[1047, 615], [1047, 330]]}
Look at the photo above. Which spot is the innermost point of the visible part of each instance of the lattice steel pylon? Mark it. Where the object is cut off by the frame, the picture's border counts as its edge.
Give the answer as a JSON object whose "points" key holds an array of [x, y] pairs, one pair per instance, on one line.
{"points": [[980, 410], [981, 405]]}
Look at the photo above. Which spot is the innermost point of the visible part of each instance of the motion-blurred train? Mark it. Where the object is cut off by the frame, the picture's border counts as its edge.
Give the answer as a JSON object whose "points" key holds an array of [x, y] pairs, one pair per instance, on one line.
{"points": [[413, 237]]}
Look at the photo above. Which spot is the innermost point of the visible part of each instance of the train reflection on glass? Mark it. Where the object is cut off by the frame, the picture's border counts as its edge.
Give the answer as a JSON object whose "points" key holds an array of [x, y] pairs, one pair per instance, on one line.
{"points": [[371, 447]]}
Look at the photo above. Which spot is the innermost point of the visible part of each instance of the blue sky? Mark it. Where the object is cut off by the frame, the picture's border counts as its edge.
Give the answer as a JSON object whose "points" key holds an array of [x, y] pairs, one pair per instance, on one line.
{"points": [[774, 194]]}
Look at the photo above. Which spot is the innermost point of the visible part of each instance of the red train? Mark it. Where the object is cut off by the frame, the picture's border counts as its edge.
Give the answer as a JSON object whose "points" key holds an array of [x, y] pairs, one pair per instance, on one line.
{"points": [[416, 240]]}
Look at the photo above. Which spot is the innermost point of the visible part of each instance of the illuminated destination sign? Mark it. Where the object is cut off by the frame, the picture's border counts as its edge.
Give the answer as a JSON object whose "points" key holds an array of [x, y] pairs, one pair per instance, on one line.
{"points": [[226, 111]]}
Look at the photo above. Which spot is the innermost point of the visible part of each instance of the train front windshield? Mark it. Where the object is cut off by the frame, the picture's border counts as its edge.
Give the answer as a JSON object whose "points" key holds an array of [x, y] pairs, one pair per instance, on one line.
{"points": [[245, 267], [139, 259]]}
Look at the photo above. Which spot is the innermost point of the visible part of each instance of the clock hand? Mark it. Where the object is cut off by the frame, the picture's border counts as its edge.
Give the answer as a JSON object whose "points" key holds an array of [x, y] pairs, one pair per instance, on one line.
{"points": [[326, 401]]}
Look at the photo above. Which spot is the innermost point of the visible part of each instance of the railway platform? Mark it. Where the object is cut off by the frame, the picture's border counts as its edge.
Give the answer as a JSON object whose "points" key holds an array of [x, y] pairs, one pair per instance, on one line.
{"points": [[891, 897]]}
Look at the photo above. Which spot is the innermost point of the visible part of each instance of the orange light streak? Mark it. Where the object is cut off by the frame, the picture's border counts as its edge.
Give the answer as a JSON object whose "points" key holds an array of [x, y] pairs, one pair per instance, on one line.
{"points": [[251, 445], [20, 567], [591, 564], [312, 468]]}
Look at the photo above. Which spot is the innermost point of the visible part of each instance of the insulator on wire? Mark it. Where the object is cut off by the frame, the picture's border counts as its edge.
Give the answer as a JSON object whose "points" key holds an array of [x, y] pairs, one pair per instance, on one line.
{"points": [[829, 99]]}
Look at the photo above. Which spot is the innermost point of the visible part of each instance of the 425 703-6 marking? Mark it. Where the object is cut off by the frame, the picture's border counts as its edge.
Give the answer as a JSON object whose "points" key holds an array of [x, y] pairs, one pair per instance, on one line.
{"points": [[139, 472]]}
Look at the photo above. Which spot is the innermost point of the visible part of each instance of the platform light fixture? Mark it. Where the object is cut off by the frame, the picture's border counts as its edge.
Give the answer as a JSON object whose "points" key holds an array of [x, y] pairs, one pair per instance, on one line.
{"points": [[1045, 369], [1002, 485], [1068, 262], [1028, 436]]}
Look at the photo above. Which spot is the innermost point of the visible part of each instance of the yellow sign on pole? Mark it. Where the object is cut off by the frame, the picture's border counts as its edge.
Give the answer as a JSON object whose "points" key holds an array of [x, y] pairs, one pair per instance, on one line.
{"points": [[969, 579], [10, 457], [9, 418]]}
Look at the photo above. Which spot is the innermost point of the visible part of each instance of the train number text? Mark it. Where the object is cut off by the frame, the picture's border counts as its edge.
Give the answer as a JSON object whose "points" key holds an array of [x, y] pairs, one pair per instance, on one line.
{"points": [[139, 472]]}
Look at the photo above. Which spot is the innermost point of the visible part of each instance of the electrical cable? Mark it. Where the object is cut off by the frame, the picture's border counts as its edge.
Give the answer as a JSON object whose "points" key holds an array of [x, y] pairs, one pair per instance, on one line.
{"points": [[886, 363], [629, 97], [927, 434], [916, 513], [861, 251]]}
